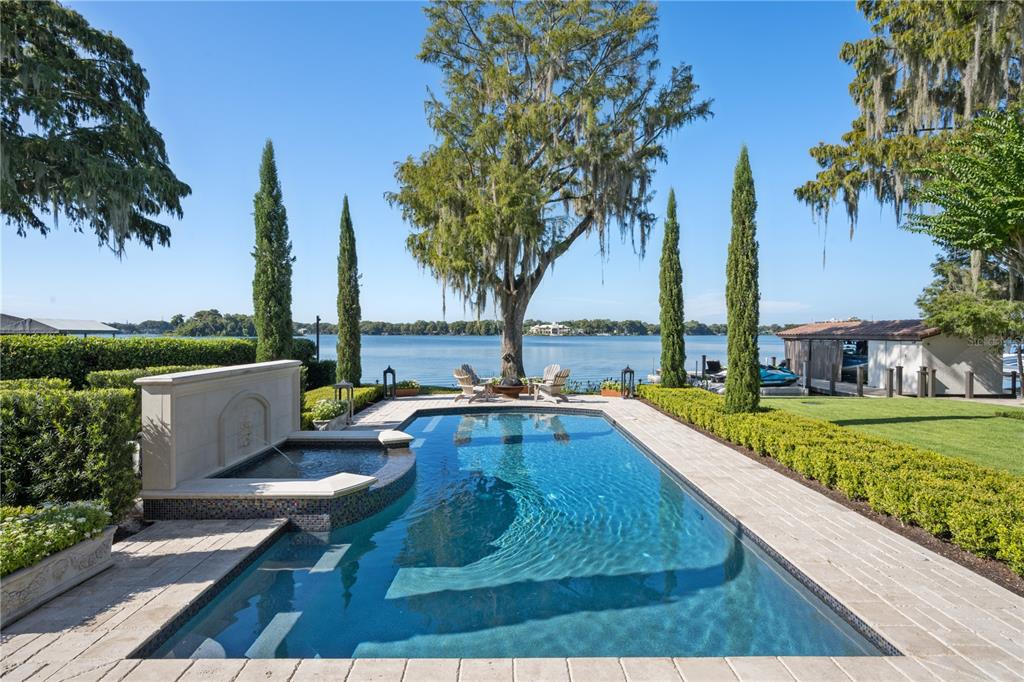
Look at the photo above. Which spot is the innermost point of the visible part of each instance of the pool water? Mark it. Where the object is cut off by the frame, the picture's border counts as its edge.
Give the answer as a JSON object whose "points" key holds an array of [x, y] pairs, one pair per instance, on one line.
{"points": [[310, 461], [525, 534]]}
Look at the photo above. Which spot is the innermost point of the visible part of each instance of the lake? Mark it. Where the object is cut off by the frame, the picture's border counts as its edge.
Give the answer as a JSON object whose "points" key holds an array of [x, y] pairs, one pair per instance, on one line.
{"points": [[431, 359]]}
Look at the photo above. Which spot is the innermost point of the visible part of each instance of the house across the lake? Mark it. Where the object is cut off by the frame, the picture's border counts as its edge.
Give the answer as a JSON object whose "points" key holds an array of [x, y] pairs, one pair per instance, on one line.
{"points": [[834, 350], [553, 329], [11, 324]]}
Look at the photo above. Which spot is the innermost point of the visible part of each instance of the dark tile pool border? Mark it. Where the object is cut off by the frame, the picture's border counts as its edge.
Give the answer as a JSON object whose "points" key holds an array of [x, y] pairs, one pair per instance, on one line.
{"points": [[863, 629], [306, 513]]}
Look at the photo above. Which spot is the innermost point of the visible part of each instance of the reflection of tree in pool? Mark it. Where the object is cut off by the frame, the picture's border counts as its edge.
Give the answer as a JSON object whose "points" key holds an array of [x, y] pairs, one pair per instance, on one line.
{"points": [[464, 431], [460, 528]]}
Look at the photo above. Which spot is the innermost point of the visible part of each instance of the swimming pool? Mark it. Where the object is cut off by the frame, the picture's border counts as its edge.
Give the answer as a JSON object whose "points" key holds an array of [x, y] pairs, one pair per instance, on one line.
{"points": [[525, 534]]}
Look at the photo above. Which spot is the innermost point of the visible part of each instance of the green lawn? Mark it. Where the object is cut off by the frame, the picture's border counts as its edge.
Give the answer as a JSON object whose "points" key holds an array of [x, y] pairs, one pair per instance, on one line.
{"points": [[952, 427]]}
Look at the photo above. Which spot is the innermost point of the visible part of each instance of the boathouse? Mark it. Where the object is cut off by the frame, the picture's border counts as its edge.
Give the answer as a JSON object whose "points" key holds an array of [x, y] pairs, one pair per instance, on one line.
{"points": [[913, 350]]}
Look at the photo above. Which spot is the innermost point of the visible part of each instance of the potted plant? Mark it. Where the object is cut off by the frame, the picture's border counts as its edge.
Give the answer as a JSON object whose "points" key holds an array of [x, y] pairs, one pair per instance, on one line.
{"points": [[407, 388], [45, 551], [327, 410], [611, 389]]}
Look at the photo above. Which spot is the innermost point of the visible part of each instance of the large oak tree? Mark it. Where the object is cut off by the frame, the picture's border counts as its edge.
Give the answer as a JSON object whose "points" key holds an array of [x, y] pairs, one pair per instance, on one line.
{"points": [[550, 126], [76, 142]]}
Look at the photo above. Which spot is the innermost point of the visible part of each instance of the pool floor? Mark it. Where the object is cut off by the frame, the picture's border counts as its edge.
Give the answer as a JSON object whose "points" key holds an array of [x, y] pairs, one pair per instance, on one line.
{"points": [[524, 535]]}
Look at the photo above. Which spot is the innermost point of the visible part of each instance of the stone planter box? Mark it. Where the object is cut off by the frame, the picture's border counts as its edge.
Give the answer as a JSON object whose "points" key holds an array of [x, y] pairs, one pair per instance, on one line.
{"points": [[406, 392], [611, 393], [29, 588]]}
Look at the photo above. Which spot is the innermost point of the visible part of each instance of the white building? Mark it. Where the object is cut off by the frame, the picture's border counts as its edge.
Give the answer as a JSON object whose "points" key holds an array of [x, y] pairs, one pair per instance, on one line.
{"points": [[552, 329], [910, 344]]}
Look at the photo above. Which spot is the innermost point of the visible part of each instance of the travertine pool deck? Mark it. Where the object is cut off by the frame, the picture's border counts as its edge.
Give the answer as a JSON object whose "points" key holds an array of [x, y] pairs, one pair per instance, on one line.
{"points": [[950, 623]]}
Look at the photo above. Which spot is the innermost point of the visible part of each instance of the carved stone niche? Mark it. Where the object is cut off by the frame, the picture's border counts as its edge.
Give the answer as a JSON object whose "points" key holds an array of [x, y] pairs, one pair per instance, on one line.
{"points": [[243, 427]]}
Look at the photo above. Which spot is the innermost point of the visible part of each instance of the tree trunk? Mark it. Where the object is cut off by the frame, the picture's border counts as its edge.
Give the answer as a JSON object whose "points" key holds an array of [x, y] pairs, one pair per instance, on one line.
{"points": [[976, 260], [513, 312]]}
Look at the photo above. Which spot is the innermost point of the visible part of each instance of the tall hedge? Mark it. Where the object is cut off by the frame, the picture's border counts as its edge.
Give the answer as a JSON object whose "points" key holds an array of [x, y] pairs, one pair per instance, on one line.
{"points": [[73, 358], [670, 301], [272, 280], [65, 446], [349, 313], [979, 509], [742, 297]]}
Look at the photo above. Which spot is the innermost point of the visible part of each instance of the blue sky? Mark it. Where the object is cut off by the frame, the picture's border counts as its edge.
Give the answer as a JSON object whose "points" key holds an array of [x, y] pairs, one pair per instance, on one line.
{"points": [[339, 90]]}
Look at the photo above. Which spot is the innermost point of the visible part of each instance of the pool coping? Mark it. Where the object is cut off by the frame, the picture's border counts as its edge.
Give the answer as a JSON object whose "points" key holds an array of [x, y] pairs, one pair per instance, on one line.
{"points": [[949, 622]]}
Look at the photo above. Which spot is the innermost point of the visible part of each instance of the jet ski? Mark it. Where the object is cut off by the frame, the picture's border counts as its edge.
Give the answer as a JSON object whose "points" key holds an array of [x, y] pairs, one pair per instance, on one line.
{"points": [[777, 376]]}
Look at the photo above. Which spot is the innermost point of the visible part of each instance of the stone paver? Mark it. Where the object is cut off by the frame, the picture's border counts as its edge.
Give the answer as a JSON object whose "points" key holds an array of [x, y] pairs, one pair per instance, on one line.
{"points": [[951, 623]]}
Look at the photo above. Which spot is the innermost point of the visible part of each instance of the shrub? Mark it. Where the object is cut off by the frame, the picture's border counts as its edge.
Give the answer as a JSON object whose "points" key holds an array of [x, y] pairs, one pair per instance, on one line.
{"points": [[976, 508], [66, 446], [29, 535], [1011, 414], [408, 383], [362, 396], [72, 357], [326, 409], [41, 384], [321, 373], [125, 378]]}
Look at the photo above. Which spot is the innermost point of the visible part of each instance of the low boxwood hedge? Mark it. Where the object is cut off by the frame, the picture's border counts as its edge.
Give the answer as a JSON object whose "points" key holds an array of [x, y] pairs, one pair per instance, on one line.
{"points": [[65, 446], [29, 534], [41, 384], [362, 396], [73, 358], [978, 509]]}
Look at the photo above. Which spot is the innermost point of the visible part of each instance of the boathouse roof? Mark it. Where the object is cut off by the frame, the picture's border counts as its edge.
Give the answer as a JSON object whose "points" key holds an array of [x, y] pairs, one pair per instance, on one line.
{"points": [[856, 330]]}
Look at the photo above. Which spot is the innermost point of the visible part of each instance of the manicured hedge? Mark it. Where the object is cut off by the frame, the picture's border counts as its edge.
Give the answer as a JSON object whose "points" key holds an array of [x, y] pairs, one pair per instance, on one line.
{"points": [[125, 378], [66, 446], [72, 357], [42, 384], [321, 373], [978, 509], [362, 396], [1011, 414], [28, 534]]}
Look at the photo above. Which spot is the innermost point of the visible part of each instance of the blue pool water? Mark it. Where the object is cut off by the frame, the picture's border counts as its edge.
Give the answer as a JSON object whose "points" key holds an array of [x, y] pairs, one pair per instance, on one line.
{"points": [[311, 461], [525, 534]]}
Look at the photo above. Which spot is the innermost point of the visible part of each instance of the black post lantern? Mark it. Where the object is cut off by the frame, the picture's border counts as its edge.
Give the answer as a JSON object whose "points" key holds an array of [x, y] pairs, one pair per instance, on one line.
{"points": [[627, 382], [318, 338], [389, 393]]}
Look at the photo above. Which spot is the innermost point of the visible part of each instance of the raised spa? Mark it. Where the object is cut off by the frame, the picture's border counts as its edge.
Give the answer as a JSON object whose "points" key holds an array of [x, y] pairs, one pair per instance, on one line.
{"points": [[524, 534], [308, 461]]}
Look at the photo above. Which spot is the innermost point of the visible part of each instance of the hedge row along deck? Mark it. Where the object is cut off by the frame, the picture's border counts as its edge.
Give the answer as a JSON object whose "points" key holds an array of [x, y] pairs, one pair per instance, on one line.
{"points": [[978, 509]]}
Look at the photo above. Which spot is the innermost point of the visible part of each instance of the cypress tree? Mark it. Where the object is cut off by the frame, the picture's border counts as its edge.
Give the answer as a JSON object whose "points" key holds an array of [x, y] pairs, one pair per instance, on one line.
{"points": [[670, 300], [272, 282], [349, 364], [743, 381]]}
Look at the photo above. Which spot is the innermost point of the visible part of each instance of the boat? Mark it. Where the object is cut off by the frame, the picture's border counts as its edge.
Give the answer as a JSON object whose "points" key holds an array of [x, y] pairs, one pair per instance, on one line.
{"points": [[777, 376]]}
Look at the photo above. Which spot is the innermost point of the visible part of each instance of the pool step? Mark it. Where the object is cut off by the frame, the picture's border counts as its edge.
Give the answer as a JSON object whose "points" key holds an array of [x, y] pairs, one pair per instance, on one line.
{"points": [[277, 629]]}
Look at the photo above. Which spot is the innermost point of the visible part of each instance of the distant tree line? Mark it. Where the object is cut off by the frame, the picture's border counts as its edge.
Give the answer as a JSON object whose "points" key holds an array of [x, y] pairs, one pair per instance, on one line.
{"points": [[214, 323]]}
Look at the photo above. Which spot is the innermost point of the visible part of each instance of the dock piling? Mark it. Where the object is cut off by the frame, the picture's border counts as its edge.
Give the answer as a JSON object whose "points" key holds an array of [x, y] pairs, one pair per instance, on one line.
{"points": [[899, 379], [860, 381], [969, 384], [888, 381]]}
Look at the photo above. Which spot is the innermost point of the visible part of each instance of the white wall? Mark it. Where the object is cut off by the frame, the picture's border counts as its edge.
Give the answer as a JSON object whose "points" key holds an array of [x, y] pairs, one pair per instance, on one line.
{"points": [[197, 423], [885, 354], [951, 357]]}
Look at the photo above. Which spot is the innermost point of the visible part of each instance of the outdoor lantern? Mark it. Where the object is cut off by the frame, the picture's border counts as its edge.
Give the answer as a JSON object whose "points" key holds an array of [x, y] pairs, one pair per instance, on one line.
{"points": [[344, 390], [627, 382], [394, 383]]}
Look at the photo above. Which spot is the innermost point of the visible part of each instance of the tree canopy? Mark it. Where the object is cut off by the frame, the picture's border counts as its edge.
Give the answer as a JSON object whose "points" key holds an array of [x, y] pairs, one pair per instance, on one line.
{"points": [[928, 68], [550, 128], [976, 187], [76, 140]]}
